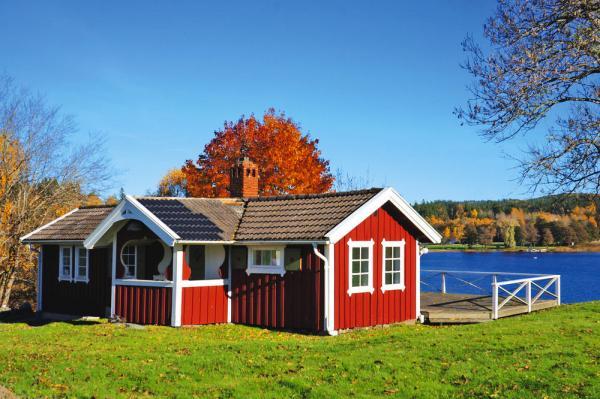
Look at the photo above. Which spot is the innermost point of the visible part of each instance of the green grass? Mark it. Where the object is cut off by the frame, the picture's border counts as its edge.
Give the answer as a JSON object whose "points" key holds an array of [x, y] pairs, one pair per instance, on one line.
{"points": [[553, 353]]}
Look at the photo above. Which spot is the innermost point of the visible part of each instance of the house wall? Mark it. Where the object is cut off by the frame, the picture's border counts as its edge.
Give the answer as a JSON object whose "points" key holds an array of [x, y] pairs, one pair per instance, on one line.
{"points": [[294, 301], [76, 298], [204, 305], [366, 309], [143, 305]]}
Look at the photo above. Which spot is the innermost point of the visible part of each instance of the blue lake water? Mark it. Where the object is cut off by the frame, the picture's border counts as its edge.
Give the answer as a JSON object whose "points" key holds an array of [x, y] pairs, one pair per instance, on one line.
{"points": [[580, 272]]}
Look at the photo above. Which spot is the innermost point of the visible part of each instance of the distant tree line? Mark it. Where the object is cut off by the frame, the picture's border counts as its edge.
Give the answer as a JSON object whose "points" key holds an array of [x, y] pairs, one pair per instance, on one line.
{"points": [[551, 220]]}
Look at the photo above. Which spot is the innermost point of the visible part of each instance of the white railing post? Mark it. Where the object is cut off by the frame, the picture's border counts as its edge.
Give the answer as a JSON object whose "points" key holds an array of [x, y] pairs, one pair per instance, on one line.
{"points": [[528, 293], [558, 289], [443, 283], [494, 300]]}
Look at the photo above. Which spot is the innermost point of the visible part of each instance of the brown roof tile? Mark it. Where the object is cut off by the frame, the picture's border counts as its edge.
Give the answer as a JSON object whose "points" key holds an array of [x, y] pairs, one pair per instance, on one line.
{"points": [[75, 226], [298, 217]]}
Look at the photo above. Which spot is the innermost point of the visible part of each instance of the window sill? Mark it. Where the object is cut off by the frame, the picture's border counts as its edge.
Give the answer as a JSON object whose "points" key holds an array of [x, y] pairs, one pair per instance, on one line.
{"points": [[360, 290], [253, 269], [65, 279], [394, 287], [82, 280]]}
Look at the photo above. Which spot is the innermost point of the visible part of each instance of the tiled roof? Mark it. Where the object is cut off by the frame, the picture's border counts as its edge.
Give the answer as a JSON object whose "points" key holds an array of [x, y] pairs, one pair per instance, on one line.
{"points": [[74, 226], [197, 219], [298, 217]]}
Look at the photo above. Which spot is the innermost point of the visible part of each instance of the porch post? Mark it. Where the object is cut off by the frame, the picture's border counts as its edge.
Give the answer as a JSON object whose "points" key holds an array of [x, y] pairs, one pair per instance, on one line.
{"points": [[418, 281], [330, 249], [229, 280], [177, 289], [38, 305], [113, 276]]}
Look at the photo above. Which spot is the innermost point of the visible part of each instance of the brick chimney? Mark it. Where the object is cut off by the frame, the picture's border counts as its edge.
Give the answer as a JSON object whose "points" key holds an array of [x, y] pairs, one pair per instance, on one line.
{"points": [[243, 179]]}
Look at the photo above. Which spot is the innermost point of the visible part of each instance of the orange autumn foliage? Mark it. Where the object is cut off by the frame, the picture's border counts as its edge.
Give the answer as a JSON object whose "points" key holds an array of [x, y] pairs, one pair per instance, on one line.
{"points": [[289, 162]]}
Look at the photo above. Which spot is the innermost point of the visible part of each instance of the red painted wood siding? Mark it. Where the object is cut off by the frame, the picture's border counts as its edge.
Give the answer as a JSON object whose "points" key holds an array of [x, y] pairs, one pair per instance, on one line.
{"points": [[143, 305], [294, 301], [204, 305], [365, 309]]}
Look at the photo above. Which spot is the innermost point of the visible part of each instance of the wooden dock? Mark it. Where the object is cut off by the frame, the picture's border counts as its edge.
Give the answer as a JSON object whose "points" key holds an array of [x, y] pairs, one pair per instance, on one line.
{"points": [[458, 308]]}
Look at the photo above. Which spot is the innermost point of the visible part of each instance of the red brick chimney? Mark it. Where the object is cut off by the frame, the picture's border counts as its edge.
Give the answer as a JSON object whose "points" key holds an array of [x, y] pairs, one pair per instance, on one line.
{"points": [[243, 179]]}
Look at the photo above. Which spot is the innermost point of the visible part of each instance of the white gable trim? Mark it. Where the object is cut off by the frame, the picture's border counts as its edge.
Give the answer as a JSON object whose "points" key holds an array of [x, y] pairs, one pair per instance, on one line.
{"points": [[385, 195], [128, 209], [26, 236]]}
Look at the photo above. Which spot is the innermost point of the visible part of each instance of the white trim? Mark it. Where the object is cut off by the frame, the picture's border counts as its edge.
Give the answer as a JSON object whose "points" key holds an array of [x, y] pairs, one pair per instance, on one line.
{"points": [[331, 303], [78, 278], [192, 242], [143, 283], [216, 282], [177, 284], [280, 242], [393, 244], [259, 269], [385, 195], [363, 289], [113, 277], [61, 276], [126, 274], [38, 305], [418, 280], [229, 279], [132, 209], [26, 236]]}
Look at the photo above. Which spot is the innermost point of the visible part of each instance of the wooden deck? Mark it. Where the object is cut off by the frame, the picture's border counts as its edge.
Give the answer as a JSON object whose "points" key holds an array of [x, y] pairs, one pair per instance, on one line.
{"points": [[458, 308]]}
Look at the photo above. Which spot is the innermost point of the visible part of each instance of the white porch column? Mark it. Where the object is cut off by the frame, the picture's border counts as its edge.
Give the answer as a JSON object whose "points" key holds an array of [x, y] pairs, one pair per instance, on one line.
{"points": [[177, 288], [330, 253], [229, 288], [113, 277]]}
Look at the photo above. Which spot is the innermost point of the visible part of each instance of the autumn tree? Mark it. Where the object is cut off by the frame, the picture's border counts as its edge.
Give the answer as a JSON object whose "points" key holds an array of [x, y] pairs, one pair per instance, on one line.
{"points": [[544, 59], [173, 184], [547, 237], [289, 161], [41, 177]]}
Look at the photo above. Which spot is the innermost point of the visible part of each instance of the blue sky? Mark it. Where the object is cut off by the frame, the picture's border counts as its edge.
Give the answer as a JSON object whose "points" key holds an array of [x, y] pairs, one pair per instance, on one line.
{"points": [[376, 82]]}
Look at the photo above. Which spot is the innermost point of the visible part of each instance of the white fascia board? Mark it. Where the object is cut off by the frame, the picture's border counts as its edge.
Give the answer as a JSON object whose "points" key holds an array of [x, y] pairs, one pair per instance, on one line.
{"points": [[385, 195], [280, 242], [26, 236], [132, 209]]}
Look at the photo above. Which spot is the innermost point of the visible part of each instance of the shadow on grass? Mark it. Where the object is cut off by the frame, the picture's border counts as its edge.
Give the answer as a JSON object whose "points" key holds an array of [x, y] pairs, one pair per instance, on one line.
{"points": [[34, 319]]}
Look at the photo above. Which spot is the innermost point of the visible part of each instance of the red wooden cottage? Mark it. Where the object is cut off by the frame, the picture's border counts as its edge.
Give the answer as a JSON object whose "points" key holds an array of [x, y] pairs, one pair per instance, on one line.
{"points": [[319, 262]]}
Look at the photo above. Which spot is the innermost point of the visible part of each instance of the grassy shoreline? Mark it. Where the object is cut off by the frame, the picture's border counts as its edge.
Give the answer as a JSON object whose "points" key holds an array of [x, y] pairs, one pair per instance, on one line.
{"points": [[501, 248], [552, 353]]}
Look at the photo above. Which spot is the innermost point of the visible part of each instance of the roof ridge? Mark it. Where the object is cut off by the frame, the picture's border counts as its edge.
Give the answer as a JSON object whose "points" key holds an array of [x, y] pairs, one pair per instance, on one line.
{"points": [[96, 206], [372, 190]]}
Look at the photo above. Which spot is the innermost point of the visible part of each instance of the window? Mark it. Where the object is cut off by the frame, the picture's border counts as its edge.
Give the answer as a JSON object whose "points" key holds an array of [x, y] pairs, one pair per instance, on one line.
{"points": [[268, 260], [65, 264], [360, 266], [81, 264], [129, 260], [393, 265]]}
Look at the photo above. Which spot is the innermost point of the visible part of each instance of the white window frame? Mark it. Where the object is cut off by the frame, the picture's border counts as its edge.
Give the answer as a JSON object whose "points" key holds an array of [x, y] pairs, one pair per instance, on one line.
{"points": [[127, 276], [79, 278], [260, 269], [62, 276], [360, 244], [393, 244]]}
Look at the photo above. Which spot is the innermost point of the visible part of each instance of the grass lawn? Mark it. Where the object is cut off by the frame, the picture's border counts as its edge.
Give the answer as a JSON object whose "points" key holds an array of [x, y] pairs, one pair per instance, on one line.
{"points": [[553, 353]]}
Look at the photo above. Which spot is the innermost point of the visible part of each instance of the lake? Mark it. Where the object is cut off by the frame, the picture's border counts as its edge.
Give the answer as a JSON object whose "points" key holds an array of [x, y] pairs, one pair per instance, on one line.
{"points": [[580, 271]]}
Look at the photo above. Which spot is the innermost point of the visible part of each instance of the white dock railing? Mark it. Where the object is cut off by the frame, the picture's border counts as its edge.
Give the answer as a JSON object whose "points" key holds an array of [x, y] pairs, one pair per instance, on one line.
{"points": [[527, 289]]}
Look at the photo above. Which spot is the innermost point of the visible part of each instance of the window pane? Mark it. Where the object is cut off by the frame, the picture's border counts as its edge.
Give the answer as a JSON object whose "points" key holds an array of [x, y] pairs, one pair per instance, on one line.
{"points": [[355, 253], [388, 278], [364, 266], [355, 281], [388, 265], [257, 258], [364, 280], [82, 272], [274, 258], [396, 278], [364, 253], [355, 266], [396, 264], [388, 252], [396, 252]]}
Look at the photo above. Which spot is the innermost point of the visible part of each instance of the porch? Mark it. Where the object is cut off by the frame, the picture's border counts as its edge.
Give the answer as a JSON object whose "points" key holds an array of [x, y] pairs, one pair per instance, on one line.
{"points": [[478, 297]]}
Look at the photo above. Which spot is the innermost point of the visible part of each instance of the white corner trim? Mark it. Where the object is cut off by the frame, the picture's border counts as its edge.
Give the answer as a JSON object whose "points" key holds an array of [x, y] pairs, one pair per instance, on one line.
{"points": [[391, 287], [418, 282], [385, 195], [364, 289], [26, 236], [40, 276]]}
